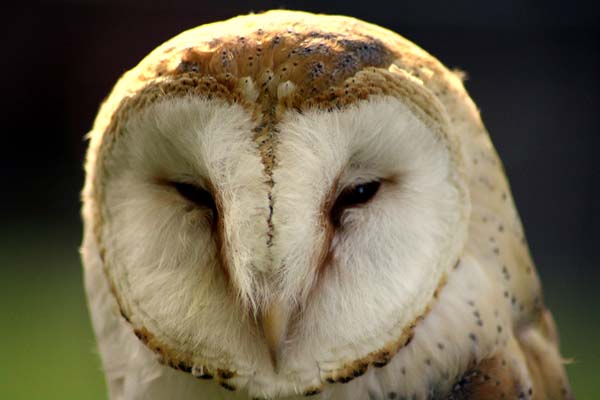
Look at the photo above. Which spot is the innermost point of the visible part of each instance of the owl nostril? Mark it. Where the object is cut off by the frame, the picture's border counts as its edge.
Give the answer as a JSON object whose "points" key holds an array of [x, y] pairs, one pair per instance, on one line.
{"points": [[351, 197], [197, 195]]}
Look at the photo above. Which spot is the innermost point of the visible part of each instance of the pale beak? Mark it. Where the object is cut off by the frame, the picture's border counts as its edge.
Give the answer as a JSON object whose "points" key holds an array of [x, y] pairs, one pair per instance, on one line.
{"points": [[274, 323]]}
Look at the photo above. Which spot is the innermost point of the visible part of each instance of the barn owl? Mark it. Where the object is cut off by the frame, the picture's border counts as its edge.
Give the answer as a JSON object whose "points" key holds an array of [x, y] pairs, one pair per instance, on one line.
{"points": [[285, 205]]}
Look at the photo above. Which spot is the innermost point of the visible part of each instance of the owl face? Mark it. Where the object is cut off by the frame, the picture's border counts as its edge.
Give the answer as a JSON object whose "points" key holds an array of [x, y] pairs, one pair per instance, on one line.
{"points": [[267, 235]]}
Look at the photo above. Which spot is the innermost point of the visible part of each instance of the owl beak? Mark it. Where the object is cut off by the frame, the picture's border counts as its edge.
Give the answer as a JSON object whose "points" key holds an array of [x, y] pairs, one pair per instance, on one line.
{"points": [[274, 323]]}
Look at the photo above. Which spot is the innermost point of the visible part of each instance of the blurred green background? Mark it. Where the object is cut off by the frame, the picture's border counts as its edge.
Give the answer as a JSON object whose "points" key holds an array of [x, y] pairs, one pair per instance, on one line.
{"points": [[532, 70]]}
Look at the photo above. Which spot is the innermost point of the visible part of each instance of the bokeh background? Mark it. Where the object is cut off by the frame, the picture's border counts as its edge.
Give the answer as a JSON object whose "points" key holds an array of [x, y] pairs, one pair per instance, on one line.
{"points": [[534, 70]]}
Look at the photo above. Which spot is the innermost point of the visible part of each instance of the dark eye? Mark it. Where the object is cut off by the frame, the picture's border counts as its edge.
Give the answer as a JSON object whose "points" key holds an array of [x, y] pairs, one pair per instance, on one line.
{"points": [[197, 195], [353, 196]]}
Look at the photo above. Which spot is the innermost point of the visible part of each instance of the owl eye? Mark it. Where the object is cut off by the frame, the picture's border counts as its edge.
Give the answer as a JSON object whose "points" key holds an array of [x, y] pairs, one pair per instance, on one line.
{"points": [[197, 195], [353, 196]]}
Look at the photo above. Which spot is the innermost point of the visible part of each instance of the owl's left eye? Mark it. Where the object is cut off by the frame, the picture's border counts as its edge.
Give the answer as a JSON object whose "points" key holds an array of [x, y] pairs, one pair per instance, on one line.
{"points": [[197, 195], [353, 196]]}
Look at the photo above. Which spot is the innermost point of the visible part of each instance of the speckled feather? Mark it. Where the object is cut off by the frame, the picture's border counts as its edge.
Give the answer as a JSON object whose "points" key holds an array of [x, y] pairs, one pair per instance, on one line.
{"points": [[484, 334]]}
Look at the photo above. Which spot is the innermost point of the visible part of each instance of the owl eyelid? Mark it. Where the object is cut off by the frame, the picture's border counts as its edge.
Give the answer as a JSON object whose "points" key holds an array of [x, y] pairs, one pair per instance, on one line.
{"points": [[195, 194], [353, 196]]}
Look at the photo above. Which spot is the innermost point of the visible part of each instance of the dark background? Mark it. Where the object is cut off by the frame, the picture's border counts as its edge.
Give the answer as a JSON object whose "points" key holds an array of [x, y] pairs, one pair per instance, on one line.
{"points": [[533, 69]]}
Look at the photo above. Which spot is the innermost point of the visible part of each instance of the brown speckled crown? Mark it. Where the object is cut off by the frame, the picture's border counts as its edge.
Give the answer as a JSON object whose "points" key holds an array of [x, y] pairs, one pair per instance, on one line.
{"points": [[280, 65], [311, 59], [272, 62]]}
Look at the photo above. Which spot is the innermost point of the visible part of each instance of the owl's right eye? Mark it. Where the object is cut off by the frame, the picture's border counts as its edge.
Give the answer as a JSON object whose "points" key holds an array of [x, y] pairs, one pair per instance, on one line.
{"points": [[352, 197], [196, 195]]}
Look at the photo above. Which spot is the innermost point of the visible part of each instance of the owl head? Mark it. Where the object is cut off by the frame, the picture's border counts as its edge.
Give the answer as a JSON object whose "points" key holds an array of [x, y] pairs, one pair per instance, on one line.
{"points": [[276, 200]]}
